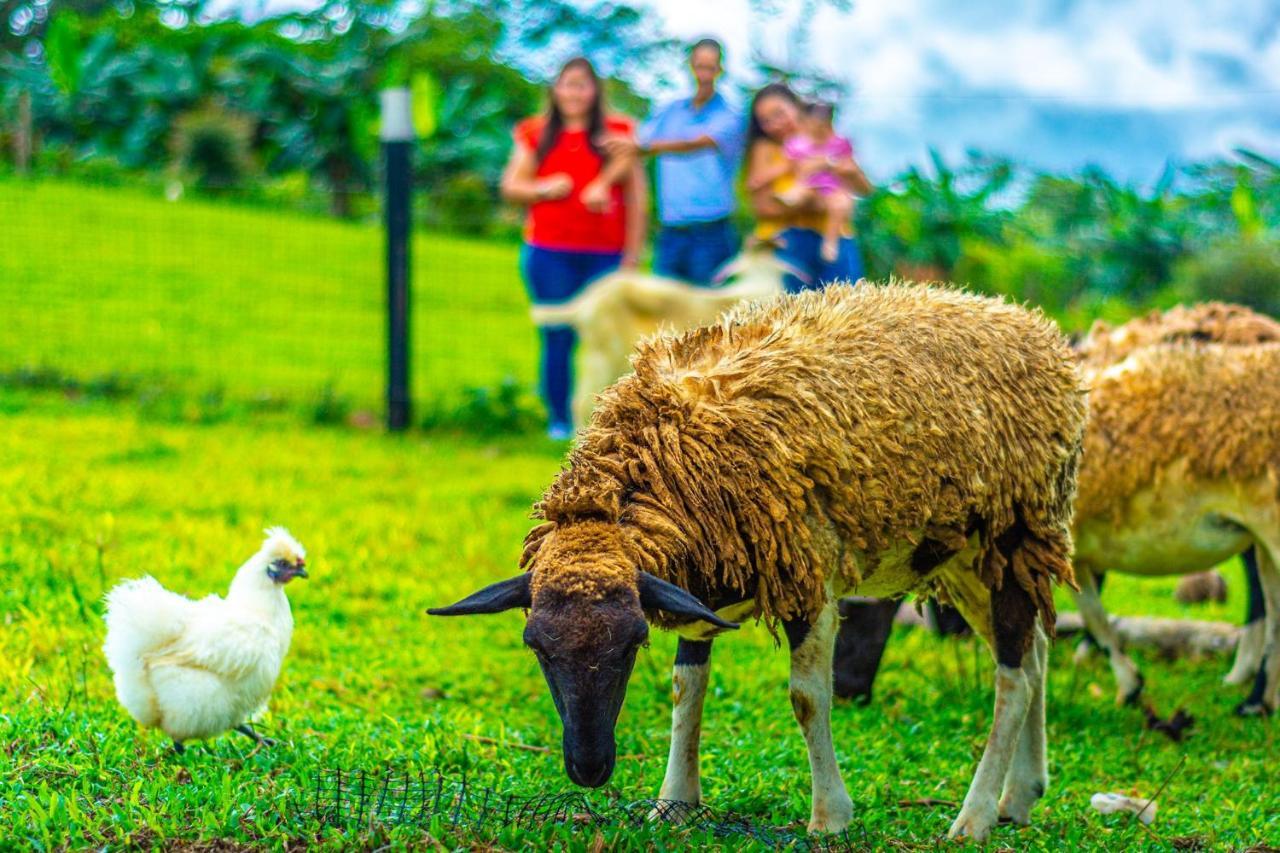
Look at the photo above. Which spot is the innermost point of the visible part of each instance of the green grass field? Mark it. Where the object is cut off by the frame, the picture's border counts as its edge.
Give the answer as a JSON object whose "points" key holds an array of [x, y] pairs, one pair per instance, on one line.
{"points": [[251, 301], [394, 525], [93, 491]]}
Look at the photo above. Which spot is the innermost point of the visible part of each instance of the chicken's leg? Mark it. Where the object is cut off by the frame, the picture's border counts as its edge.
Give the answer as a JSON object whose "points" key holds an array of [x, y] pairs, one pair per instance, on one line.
{"points": [[247, 730]]}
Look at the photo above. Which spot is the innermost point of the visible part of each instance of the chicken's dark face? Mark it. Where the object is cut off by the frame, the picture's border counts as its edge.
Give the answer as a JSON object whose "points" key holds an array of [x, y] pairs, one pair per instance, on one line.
{"points": [[284, 569]]}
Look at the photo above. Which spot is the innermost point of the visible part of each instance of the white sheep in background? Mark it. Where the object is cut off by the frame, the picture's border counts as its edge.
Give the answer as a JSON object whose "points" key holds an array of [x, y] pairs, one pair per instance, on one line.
{"points": [[196, 669], [869, 440], [618, 310]]}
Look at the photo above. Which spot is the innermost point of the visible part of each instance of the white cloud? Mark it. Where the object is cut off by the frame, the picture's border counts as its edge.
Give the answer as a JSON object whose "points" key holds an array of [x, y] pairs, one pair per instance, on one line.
{"points": [[1172, 79]]}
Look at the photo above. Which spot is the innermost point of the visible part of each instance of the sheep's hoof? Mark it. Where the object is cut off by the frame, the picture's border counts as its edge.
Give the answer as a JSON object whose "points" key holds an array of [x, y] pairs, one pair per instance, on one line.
{"points": [[1016, 808], [1248, 655], [1240, 675], [1253, 709], [1084, 650], [971, 824], [831, 817], [675, 811], [1130, 699]]}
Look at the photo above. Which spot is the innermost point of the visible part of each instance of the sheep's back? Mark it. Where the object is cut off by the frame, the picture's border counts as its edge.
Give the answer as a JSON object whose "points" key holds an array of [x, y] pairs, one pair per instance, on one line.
{"points": [[1205, 322], [1215, 408], [881, 410]]}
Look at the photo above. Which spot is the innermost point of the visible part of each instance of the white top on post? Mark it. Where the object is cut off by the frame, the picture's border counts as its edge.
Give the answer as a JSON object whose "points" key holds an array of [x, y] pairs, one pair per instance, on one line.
{"points": [[397, 115]]}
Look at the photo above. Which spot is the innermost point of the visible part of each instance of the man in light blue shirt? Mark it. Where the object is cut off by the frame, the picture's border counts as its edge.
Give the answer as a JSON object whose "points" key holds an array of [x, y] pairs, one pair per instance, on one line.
{"points": [[698, 144]]}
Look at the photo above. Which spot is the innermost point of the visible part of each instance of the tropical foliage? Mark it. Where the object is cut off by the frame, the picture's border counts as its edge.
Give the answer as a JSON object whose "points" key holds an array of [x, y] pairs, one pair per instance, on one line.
{"points": [[117, 82], [1081, 245], [285, 109]]}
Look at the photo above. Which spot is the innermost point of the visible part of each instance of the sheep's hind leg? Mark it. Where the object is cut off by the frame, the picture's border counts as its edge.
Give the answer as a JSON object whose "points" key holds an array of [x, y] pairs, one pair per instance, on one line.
{"points": [[1012, 617], [812, 647], [688, 690], [1029, 772], [1129, 681], [1252, 636], [1265, 697]]}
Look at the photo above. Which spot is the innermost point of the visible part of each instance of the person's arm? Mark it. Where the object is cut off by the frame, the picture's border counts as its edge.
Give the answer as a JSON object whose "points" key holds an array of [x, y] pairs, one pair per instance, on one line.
{"points": [[850, 174], [760, 177], [650, 142], [637, 222], [763, 178], [521, 184], [597, 195]]}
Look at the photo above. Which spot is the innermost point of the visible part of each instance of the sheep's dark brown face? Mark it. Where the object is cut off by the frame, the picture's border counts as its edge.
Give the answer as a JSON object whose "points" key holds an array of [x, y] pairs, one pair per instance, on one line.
{"points": [[586, 638], [586, 650]]}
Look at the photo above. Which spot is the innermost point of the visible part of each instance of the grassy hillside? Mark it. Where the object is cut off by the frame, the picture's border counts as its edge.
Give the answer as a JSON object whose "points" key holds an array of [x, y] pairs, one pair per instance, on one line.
{"points": [[257, 303], [394, 525]]}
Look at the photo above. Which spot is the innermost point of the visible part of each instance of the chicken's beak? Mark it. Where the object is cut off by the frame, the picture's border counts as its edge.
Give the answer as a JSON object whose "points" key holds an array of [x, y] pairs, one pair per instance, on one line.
{"points": [[300, 570]]}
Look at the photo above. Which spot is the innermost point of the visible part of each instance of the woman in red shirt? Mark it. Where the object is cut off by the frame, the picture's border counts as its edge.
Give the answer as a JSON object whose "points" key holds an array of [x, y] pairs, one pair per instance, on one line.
{"points": [[587, 213]]}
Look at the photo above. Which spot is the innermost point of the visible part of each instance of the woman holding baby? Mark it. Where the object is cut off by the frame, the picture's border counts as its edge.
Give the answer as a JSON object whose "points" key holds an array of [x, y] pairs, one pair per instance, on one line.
{"points": [[802, 179]]}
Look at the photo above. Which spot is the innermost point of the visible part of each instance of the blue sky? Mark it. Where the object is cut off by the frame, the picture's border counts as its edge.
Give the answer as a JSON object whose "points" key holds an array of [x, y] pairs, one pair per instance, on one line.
{"points": [[1126, 84]]}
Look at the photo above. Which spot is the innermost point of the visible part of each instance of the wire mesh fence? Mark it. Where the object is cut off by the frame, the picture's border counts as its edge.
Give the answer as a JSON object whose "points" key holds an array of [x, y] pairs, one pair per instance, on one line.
{"points": [[428, 799], [222, 300]]}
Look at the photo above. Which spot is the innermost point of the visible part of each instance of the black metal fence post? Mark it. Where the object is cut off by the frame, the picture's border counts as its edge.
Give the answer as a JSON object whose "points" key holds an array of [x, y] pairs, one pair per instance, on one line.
{"points": [[397, 147]]}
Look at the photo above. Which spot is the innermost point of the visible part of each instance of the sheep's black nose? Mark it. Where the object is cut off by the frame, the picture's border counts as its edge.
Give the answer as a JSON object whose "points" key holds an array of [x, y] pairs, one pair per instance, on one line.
{"points": [[589, 774]]}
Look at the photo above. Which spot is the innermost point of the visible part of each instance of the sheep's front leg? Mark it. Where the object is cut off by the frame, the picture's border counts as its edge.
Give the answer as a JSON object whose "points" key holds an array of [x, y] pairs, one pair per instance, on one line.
{"points": [[1128, 680], [1265, 697], [812, 647], [688, 689], [1253, 635]]}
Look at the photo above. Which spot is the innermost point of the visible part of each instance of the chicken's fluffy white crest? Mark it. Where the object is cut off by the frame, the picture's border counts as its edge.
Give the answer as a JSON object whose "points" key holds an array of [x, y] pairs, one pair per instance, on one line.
{"points": [[280, 544]]}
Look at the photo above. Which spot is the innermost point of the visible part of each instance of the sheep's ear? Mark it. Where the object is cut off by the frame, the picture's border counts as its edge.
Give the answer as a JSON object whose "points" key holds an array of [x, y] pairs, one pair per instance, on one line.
{"points": [[504, 595], [657, 594]]}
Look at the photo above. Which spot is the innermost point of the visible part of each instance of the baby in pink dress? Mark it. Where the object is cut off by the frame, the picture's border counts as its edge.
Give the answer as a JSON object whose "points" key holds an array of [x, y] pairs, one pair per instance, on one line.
{"points": [[818, 141]]}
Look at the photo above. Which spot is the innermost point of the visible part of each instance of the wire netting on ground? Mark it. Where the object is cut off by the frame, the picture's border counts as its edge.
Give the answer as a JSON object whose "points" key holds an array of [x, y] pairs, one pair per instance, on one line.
{"points": [[355, 798]]}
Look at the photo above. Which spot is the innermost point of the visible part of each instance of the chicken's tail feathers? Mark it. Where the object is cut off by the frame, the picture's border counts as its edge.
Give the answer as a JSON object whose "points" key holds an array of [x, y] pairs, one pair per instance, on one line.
{"points": [[141, 616]]}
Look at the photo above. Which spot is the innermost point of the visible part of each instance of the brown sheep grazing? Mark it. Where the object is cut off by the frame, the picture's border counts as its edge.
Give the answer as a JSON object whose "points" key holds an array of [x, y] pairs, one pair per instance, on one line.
{"points": [[1181, 471], [1104, 346], [873, 440], [1209, 322]]}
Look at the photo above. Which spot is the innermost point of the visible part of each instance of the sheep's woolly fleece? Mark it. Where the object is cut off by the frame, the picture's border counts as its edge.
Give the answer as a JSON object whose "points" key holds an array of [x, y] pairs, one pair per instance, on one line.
{"points": [[886, 412], [1210, 407], [1207, 322]]}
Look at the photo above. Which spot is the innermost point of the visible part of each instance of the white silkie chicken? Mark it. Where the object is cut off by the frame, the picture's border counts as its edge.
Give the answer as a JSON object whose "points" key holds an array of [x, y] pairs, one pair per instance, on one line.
{"points": [[196, 669]]}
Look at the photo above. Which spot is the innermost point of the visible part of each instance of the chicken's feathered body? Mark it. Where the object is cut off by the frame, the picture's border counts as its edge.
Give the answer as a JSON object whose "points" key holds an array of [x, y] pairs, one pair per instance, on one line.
{"points": [[195, 669]]}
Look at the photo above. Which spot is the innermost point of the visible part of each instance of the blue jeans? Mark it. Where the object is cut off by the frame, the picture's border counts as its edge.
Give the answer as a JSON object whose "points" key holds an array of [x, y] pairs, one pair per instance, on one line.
{"points": [[802, 249], [694, 252], [554, 276]]}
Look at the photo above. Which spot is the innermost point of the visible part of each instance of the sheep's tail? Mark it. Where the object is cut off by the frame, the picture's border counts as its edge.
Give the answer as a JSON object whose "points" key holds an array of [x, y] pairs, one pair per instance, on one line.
{"points": [[577, 309], [555, 315], [141, 616], [1038, 561]]}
